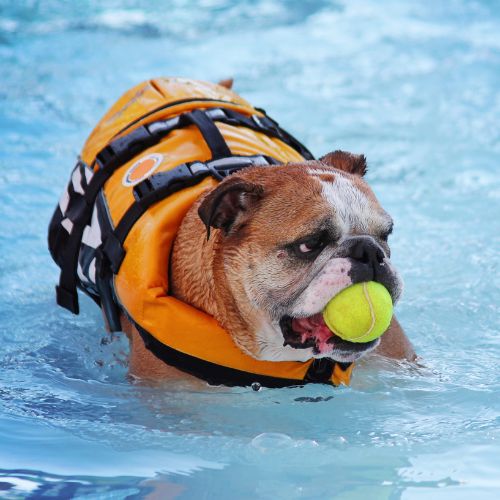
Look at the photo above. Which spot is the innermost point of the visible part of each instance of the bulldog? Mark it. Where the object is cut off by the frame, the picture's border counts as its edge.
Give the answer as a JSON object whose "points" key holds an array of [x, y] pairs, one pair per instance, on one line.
{"points": [[262, 252], [266, 249]]}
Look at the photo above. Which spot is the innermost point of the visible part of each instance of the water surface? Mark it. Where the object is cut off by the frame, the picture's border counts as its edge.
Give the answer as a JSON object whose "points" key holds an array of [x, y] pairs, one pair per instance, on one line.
{"points": [[412, 85]]}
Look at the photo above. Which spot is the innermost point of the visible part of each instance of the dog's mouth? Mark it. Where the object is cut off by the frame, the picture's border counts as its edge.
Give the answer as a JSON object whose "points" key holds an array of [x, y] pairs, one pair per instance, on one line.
{"points": [[312, 332]]}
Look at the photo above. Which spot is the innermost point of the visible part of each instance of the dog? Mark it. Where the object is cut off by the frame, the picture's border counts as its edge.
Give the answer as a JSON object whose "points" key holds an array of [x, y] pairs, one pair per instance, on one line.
{"points": [[283, 242], [263, 252]]}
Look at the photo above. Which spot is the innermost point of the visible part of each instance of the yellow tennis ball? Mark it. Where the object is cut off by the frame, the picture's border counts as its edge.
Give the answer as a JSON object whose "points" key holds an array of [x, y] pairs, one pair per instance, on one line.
{"points": [[359, 313]]}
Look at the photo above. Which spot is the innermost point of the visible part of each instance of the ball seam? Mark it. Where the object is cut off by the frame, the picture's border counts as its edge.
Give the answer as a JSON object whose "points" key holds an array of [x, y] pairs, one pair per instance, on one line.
{"points": [[372, 314]]}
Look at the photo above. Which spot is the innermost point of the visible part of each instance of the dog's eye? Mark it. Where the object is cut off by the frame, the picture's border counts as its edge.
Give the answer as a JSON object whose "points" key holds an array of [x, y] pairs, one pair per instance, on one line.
{"points": [[311, 247], [385, 235], [305, 248]]}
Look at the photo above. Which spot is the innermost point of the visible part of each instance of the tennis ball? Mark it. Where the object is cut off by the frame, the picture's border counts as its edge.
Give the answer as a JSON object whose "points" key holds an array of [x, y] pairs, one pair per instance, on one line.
{"points": [[359, 313]]}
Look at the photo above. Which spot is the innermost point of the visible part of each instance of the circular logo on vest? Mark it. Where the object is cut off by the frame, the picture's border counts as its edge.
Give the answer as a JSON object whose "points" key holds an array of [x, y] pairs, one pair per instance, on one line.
{"points": [[141, 169]]}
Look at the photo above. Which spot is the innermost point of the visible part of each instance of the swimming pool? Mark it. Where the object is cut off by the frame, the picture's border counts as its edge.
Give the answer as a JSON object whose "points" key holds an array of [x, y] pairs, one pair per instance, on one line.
{"points": [[415, 87]]}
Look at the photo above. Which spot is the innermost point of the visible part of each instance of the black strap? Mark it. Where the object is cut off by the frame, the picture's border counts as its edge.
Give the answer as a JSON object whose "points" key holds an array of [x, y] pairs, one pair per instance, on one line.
{"points": [[79, 213], [107, 299], [211, 134], [123, 149], [161, 185], [320, 370], [196, 101], [216, 374], [111, 157], [67, 257], [263, 124]]}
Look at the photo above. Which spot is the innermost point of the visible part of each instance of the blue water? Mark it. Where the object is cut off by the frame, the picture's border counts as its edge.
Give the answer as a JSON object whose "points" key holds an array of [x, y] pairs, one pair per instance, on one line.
{"points": [[415, 87]]}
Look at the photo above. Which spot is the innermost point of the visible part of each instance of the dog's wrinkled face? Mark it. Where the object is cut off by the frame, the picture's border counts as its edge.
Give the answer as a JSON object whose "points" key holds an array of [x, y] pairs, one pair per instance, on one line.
{"points": [[292, 238]]}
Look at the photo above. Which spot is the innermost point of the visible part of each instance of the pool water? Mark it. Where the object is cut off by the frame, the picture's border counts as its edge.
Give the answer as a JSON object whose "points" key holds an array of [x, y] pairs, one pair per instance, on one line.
{"points": [[412, 85]]}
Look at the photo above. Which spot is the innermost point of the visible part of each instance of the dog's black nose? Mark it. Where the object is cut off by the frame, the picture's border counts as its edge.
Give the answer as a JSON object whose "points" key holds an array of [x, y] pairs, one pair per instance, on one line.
{"points": [[366, 251]]}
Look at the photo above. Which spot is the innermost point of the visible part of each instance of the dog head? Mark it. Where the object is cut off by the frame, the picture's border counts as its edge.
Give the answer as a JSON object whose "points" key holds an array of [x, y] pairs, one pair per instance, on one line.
{"points": [[290, 238]]}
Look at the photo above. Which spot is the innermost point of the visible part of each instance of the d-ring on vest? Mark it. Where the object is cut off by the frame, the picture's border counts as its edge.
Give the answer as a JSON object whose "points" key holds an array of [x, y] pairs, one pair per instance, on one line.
{"points": [[152, 155]]}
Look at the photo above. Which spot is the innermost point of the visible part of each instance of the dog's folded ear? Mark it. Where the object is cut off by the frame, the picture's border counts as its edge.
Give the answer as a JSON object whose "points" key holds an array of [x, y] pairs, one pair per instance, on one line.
{"points": [[348, 162], [227, 203]]}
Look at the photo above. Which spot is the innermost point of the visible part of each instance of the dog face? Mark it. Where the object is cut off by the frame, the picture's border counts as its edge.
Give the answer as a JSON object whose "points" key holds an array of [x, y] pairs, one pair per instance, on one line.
{"points": [[292, 237]]}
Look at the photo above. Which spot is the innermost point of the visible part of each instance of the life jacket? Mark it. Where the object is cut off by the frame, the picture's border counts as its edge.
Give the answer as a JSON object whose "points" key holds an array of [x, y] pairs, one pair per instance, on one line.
{"points": [[163, 144]]}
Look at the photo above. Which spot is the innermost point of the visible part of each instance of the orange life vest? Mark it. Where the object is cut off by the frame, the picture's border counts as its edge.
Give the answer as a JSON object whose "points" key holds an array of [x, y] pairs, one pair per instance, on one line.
{"points": [[158, 148]]}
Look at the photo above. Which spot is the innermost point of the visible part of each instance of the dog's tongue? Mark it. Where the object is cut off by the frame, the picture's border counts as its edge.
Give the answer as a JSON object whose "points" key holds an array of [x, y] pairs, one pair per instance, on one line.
{"points": [[313, 327]]}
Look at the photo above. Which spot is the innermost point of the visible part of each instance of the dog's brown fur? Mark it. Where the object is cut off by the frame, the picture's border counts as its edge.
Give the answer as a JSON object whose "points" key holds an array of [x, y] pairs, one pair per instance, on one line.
{"points": [[199, 272], [199, 277]]}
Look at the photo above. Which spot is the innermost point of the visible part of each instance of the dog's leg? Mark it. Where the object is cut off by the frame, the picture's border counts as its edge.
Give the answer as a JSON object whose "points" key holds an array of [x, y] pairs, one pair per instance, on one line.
{"points": [[395, 344], [144, 364], [106, 324]]}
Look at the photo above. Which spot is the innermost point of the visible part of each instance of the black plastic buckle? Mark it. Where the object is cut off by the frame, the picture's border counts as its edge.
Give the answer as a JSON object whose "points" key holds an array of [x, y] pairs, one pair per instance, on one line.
{"points": [[267, 124], [124, 148], [198, 168], [67, 299], [163, 127], [162, 184], [224, 167], [216, 114]]}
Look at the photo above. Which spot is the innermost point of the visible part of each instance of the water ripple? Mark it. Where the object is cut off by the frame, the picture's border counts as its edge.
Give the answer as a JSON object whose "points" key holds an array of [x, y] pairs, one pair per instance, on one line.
{"points": [[414, 86]]}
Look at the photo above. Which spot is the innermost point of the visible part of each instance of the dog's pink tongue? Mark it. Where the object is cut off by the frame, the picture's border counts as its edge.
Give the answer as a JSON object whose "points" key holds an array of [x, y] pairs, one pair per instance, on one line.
{"points": [[313, 327]]}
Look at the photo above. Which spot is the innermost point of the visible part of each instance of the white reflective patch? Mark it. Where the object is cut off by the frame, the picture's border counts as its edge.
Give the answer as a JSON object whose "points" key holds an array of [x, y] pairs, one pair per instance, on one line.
{"points": [[76, 179], [92, 234], [88, 174], [79, 271], [91, 237], [92, 271], [64, 201], [67, 224]]}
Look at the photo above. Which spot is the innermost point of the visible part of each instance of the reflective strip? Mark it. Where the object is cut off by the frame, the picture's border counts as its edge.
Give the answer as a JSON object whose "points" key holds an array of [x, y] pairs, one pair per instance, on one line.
{"points": [[76, 179], [91, 237], [64, 201], [88, 174], [80, 273], [67, 224], [92, 234], [92, 271]]}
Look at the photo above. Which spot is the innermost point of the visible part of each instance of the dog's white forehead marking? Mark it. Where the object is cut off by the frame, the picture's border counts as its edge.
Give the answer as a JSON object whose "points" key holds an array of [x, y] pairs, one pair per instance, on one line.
{"points": [[353, 208]]}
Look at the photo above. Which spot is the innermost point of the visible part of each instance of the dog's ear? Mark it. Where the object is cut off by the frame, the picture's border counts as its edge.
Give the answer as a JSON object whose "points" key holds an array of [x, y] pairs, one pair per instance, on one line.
{"points": [[227, 202], [342, 160], [227, 82]]}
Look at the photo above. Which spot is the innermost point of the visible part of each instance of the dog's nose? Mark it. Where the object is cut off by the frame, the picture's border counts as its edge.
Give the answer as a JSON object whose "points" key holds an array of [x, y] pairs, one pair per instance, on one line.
{"points": [[366, 250], [369, 256]]}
